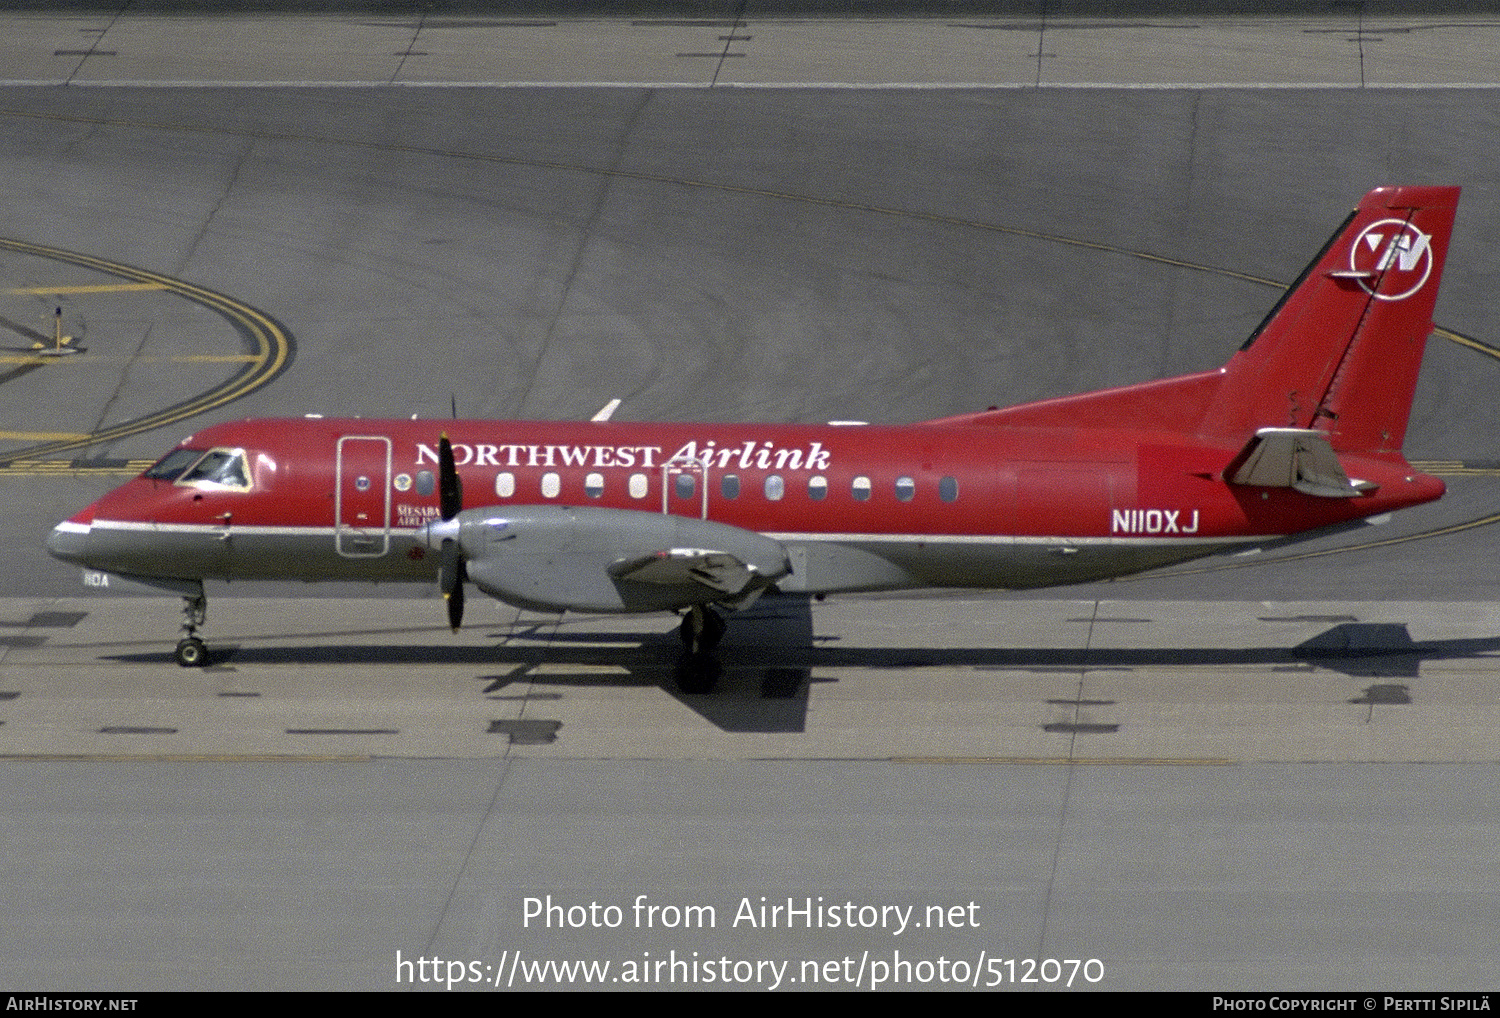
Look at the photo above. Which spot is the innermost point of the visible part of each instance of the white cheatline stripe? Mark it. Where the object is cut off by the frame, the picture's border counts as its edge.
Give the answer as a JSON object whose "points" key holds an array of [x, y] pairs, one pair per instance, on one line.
{"points": [[841, 538]]}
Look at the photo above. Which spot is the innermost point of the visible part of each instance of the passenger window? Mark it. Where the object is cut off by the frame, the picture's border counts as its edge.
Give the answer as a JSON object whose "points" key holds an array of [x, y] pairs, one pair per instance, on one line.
{"points": [[860, 489], [593, 485], [639, 486], [683, 485], [948, 489], [906, 489], [729, 486], [775, 487], [427, 484], [817, 487], [505, 484], [551, 485]]}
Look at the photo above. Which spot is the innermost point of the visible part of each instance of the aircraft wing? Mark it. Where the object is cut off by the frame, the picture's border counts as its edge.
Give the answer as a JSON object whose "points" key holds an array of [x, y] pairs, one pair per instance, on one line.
{"points": [[589, 558], [719, 571]]}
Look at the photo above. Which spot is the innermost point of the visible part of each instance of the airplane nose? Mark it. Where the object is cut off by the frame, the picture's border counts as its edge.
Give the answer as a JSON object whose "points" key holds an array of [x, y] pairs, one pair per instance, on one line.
{"points": [[68, 541]]}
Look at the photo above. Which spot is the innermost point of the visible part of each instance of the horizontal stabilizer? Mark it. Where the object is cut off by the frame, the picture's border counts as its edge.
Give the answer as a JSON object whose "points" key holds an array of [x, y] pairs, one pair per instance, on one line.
{"points": [[717, 570], [1297, 458]]}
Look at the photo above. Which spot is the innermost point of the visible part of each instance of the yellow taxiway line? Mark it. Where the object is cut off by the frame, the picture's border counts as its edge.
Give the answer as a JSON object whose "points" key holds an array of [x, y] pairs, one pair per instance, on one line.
{"points": [[86, 288], [270, 350], [67, 468], [187, 358]]}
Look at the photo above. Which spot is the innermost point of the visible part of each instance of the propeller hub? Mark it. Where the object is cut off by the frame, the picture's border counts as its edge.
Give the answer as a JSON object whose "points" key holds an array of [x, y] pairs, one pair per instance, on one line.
{"points": [[438, 531]]}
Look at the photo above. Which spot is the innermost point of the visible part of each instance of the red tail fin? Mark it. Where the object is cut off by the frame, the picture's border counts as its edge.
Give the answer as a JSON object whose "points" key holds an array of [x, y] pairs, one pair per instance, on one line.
{"points": [[1341, 351]]}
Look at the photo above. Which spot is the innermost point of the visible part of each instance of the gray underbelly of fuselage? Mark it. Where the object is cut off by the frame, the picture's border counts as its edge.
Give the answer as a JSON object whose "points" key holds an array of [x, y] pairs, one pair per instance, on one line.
{"points": [[983, 562], [261, 553], [819, 565]]}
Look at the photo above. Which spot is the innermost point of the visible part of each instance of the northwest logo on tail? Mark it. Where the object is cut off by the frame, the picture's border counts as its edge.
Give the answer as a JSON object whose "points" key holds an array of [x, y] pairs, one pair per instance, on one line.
{"points": [[1395, 251]]}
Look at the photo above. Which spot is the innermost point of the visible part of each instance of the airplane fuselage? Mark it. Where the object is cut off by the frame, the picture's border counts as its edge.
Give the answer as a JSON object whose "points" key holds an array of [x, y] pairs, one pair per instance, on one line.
{"points": [[857, 507], [1300, 431]]}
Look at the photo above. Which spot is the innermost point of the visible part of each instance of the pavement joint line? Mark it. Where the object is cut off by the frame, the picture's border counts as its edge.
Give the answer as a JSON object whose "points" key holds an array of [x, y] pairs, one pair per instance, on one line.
{"points": [[1083, 761], [875, 86], [191, 757]]}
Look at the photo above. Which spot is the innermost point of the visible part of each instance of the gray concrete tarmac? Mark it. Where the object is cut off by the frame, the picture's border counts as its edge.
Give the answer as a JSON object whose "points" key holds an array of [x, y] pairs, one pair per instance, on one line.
{"points": [[742, 43], [797, 254], [269, 875]]}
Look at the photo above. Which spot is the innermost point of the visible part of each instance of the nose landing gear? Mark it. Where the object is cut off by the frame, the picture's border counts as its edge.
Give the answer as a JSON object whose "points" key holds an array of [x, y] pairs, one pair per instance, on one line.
{"points": [[192, 652]]}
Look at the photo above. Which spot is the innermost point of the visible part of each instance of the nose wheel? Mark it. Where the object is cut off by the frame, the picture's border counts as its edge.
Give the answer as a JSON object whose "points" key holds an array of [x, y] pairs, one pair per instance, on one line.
{"points": [[192, 652]]}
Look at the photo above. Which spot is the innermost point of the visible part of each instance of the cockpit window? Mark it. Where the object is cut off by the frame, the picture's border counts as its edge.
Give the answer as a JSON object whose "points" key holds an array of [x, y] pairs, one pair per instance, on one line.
{"points": [[224, 468], [171, 466]]}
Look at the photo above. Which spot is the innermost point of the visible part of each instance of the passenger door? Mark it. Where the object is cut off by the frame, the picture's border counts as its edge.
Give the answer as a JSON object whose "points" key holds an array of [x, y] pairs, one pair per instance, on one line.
{"points": [[362, 500]]}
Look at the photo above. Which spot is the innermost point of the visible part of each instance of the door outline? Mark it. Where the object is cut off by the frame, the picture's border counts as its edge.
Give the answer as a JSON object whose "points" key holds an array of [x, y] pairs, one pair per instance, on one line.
{"points": [[351, 540]]}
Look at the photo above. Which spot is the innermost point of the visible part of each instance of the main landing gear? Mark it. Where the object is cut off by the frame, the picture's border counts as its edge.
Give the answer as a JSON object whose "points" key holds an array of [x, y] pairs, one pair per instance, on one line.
{"points": [[702, 629], [192, 652]]}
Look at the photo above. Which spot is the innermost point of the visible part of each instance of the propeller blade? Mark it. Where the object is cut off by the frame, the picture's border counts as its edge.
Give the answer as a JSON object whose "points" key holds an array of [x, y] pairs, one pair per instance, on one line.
{"points": [[451, 574], [451, 577], [448, 566], [456, 602], [450, 486]]}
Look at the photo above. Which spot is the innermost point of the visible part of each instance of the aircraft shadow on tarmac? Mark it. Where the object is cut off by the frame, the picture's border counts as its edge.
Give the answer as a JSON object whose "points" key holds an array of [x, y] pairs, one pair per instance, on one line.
{"points": [[771, 659]]}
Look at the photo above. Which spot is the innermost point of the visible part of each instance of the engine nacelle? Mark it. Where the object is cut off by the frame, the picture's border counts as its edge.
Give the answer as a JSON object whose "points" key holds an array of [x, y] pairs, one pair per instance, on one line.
{"points": [[613, 560]]}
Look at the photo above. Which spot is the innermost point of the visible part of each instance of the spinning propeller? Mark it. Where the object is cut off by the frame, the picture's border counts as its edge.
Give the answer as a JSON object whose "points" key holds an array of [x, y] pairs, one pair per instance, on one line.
{"points": [[452, 573]]}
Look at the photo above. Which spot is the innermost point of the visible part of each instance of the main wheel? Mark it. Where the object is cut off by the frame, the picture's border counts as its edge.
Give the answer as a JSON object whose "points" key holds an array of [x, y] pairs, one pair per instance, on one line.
{"points": [[713, 629], [707, 633], [191, 653]]}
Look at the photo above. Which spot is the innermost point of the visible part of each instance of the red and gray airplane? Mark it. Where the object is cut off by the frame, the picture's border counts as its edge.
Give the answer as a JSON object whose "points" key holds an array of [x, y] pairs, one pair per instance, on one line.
{"points": [[1299, 433]]}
